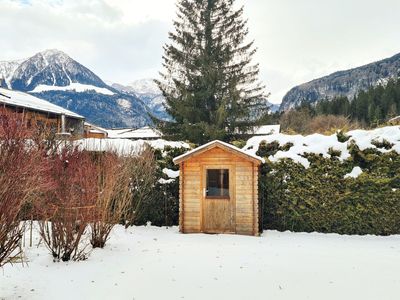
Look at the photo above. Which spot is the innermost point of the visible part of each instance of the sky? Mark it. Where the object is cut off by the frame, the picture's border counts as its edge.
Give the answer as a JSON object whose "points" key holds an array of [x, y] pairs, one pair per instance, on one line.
{"points": [[122, 40]]}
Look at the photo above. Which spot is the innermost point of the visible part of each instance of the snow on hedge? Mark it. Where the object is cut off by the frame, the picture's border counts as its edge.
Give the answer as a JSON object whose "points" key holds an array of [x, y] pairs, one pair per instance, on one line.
{"points": [[171, 173], [354, 173], [321, 144]]}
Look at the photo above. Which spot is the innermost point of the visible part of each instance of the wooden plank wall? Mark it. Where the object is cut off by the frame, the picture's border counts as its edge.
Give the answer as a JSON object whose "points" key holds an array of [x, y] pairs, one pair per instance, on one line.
{"points": [[190, 208], [245, 195]]}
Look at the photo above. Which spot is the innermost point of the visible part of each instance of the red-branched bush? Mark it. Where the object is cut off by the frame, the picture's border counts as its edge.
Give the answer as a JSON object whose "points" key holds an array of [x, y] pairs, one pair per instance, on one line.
{"points": [[67, 210], [22, 168]]}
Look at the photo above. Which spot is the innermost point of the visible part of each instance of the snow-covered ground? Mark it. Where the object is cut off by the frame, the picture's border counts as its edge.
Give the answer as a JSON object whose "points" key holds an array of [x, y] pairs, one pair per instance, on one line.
{"points": [[160, 263]]}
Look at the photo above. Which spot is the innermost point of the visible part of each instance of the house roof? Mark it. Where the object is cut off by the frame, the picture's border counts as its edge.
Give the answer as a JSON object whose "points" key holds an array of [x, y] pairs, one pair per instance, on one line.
{"points": [[141, 133], [219, 144], [95, 129], [20, 99], [267, 129], [395, 119]]}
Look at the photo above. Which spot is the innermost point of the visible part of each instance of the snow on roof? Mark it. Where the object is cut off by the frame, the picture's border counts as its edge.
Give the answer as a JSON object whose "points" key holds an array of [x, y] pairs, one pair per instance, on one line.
{"points": [[215, 143], [395, 119], [20, 99], [125, 146], [320, 144], [141, 133], [96, 129], [267, 129]]}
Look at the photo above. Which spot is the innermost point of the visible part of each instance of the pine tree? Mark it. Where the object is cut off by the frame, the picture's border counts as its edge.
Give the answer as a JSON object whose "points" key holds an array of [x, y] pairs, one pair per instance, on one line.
{"points": [[209, 82]]}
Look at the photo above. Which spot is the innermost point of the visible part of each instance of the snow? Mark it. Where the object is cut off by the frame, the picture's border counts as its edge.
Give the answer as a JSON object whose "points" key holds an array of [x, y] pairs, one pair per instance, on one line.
{"points": [[145, 86], [320, 144], [73, 86], [234, 148], [395, 119], [165, 181], [8, 68], [171, 173], [125, 146], [21, 99], [124, 104], [364, 138], [357, 171], [267, 129], [160, 263]]}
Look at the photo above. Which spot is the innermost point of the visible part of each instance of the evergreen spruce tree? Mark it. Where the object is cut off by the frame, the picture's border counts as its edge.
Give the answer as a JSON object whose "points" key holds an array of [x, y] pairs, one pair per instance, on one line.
{"points": [[209, 82]]}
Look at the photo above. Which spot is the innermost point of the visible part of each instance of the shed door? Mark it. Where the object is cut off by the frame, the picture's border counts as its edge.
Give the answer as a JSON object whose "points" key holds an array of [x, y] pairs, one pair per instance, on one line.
{"points": [[218, 199]]}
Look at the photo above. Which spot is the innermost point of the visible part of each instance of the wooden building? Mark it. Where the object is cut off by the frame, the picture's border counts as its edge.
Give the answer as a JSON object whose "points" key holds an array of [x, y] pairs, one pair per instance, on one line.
{"points": [[94, 132], [218, 190], [144, 133], [40, 112]]}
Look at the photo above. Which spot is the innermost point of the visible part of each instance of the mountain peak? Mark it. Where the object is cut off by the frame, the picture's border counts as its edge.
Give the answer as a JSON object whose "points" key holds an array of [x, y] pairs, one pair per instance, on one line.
{"points": [[52, 68]]}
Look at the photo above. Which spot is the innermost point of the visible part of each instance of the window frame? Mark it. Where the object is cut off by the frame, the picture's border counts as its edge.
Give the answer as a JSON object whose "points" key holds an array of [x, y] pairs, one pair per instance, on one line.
{"points": [[219, 168]]}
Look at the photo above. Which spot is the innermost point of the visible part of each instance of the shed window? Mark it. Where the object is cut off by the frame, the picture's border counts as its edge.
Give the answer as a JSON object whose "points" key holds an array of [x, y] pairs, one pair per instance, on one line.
{"points": [[217, 183]]}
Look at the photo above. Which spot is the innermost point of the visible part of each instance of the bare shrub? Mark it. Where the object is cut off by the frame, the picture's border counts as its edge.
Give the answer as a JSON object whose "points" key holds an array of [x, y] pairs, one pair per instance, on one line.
{"points": [[329, 124], [124, 186], [295, 121], [67, 210], [113, 191], [22, 166]]}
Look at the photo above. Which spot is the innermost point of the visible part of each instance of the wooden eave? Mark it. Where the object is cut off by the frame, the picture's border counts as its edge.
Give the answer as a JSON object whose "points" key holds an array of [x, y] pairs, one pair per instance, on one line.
{"points": [[217, 144]]}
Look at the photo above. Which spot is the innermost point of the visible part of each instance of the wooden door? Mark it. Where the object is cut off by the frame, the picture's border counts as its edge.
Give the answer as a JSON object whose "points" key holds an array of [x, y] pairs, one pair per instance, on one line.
{"points": [[218, 199]]}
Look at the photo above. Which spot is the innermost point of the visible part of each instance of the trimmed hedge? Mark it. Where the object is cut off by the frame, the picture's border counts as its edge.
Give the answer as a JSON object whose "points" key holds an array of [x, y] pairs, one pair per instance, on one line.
{"points": [[321, 199], [162, 209], [315, 199]]}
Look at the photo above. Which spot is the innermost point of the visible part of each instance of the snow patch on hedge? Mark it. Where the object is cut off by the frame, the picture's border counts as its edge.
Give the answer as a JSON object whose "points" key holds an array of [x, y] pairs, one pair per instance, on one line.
{"points": [[354, 173], [322, 144]]}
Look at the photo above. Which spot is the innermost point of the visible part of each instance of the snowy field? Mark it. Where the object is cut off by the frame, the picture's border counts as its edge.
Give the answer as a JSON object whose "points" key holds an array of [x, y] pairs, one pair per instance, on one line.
{"points": [[159, 263]]}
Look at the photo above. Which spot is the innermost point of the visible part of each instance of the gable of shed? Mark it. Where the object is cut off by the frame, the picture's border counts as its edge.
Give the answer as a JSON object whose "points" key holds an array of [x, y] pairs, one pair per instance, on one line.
{"points": [[220, 148]]}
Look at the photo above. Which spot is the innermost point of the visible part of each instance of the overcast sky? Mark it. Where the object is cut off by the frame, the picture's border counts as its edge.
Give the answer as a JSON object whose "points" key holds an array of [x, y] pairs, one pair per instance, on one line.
{"points": [[121, 40]]}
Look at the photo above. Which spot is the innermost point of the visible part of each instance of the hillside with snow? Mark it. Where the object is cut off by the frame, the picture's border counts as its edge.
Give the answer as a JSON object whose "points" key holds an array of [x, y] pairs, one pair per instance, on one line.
{"points": [[147, 91]]}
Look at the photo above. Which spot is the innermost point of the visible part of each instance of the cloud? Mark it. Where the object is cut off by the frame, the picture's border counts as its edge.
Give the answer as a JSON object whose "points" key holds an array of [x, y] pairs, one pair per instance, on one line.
{"points": [[121, 40]]}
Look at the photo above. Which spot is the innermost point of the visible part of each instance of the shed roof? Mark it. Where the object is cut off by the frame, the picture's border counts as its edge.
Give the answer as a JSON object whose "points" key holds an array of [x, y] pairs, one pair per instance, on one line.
{"points": [[219, 144], [20, 99]]}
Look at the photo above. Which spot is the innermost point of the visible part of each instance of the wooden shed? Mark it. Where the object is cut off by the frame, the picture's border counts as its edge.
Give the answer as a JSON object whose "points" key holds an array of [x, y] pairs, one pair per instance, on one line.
{"points": [[218, 190]]}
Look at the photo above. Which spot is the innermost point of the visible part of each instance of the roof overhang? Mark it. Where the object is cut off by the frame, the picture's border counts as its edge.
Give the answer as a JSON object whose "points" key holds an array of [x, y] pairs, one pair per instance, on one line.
{"points": [[217, 144]]}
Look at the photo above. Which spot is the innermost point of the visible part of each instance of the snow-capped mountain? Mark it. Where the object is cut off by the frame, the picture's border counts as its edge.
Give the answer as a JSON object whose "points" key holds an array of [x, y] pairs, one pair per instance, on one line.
{"points": [[56, 77], [52, 68], [147, 91]]}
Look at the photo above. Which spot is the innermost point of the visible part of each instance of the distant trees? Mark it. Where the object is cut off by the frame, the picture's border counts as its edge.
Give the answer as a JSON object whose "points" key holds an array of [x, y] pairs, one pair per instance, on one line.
{"points": [[369, 108], [372, 107], [209, 82]]}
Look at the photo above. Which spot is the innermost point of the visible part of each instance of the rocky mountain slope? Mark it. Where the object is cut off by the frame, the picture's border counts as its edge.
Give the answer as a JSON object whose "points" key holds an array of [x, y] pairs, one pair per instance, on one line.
{"points": [[54, 76], [147, 91], [344, 83]]}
